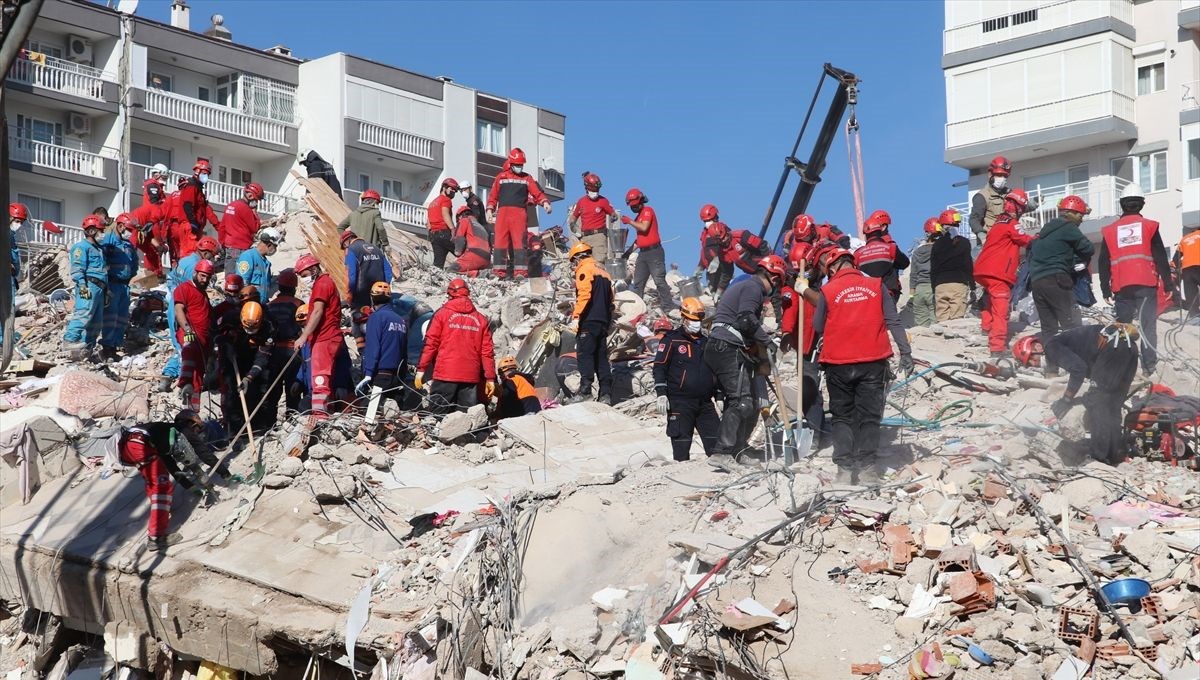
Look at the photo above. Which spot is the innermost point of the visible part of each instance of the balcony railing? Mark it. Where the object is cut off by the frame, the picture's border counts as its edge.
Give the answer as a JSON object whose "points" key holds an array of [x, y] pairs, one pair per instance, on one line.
{"points": [[1041, 117], [394, 210], [395, 140], [22, 149], [220, 193], [215, 117], [1101, 193], [58, 75], [32, 232], [1190, 96], [1016, 23]]}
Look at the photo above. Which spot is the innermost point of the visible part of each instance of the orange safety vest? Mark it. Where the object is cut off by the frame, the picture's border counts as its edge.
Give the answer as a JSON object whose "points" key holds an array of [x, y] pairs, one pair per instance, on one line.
{"points": [[1189, 250], [1128, 241]]}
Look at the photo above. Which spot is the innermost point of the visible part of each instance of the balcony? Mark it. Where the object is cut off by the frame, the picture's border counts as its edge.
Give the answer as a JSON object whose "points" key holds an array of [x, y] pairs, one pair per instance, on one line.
{"points": [[219, 193], [198, 113], [32, 232], [1189, 14], [400, 145], [59, 75], [1101, 193], [1078, 122], [393, 210], [53, 156], [1040, 21]]}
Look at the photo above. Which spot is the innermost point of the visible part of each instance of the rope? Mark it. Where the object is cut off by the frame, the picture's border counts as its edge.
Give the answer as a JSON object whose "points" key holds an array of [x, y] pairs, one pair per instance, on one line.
{"points": [[858, 182]]}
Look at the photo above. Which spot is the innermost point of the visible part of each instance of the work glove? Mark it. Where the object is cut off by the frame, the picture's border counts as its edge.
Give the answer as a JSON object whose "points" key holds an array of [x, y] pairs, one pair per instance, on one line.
{"points": [[573, 326], [189, 337], [696, 274], [489, 389], [801, 284], [419, 381], [186, 392], [625, 220], [84, 292], [244, 384], [361, 387], [1061, 406], [906, 364], [661, 405], [1080, 266]]}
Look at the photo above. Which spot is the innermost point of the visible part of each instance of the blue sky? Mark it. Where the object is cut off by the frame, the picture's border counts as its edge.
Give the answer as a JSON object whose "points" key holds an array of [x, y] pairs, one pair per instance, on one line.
{"points": [[692, 102]]}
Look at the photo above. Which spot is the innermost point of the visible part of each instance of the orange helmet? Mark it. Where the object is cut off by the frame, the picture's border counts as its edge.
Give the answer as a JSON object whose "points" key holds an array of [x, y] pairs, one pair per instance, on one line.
{"points": [[507, 363], [381, 288], [248, 292], [252, 317], [578, 250], [302, 314], [692, 308]]}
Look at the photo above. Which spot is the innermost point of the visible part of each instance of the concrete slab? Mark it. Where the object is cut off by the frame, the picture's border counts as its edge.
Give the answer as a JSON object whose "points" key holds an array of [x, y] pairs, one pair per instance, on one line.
{"points": [[588, 437]]}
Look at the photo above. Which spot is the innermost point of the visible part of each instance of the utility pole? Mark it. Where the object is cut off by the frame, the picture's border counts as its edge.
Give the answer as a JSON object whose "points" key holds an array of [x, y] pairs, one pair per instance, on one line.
{"points": [[124, 167]]}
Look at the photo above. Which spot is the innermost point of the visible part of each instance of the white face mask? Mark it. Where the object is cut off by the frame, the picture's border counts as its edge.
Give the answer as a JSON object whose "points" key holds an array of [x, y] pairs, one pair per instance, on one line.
{"points": [[692, 327], [517, 168], [14, 225], [708, 223], [203, 178], [999, 181], [593, 195]]}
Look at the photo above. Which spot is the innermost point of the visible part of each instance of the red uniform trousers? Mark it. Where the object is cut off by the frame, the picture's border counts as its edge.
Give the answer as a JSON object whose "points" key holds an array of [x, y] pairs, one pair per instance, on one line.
{"points": [[320, 364], [508, 255], [191, 371], [181, 241], [994, 318], [136, 450]]}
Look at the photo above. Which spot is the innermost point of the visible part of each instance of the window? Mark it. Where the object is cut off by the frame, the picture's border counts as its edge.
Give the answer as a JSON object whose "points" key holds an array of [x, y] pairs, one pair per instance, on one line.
{"points": [[227, 91], [1193, 159], [1151, 78], [203, 94], [233, 175], [145, 154], [491, 138], [364, 182], [36, 130], [158, 81], [1052, 186], [1148, 170], [42, 208], [392, 188], [48, 49]]}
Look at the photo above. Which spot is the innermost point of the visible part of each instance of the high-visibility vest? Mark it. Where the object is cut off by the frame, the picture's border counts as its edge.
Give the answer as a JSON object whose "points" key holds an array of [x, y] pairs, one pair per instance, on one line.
{"points": [[855, 330], [1189, 250], [1128, 242]]}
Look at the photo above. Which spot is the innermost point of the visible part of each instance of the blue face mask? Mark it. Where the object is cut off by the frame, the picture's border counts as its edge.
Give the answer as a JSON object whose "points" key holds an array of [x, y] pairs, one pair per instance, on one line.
{"points": [[203, 178]]}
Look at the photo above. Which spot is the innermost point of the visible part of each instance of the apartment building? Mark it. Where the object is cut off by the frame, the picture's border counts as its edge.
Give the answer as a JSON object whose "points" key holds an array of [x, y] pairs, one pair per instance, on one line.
{"points": [[1084, 97], [98, 97]]}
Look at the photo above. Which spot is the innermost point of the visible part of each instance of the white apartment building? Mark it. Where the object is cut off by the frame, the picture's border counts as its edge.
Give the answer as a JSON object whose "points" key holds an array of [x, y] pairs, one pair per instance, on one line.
{"points": [[98, 97], [1083, 97]]}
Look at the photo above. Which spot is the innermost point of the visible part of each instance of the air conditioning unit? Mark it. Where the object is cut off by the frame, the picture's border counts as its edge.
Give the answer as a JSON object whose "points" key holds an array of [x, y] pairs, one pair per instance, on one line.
{"points": [[78, 124], [79, 49]]}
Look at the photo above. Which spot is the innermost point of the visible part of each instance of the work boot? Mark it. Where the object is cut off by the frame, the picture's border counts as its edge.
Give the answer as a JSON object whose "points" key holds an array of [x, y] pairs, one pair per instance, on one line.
{"points": [[869, 476], [1050, 371], [605, 399], [723, 462], [997, 355], [108, 353], [844, 477]]}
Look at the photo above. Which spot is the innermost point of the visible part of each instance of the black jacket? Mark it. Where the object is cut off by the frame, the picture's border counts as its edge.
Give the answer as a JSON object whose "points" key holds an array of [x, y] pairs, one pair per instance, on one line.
{"points": [[679, 369], [950, 262], [1078, 351], [319, 168]]}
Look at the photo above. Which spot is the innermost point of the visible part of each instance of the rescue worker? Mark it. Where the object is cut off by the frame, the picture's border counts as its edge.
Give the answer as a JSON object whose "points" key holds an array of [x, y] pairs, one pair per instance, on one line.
{"points": [[922, 302], [511, 191], [319, 168], [736, 333], [89, 273], [652, 259], [880, 256], [996, 269], [1133, 262], [367, 221], [716, 251], [282, 312], [253, 265], [154, 188], [440, 222], [951, 269], [244, 358], [231, 304], [472, 251], [591, 216], [365, 265], [591, 319], [830, 232], [467, 190], [179, 274], [121, 258], [195, 213], [239, 224], [157, 449], [384, 354], [181, 242], [1053, 257], [516, 394], [193, 319], [988, 203], [17, 215], [151, 236], [299, 390], [747, 250], [322, 332], [533, 252], [854, 315], [458, 353], [1108, 356], [798, 242], [1187, 257], [684, 385]]}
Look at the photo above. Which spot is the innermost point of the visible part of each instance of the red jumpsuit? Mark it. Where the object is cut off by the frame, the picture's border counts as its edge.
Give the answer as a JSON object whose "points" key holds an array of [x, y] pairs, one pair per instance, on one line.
{"points": [[747, 249], [996, 272], [191, 214], [324, 343], [238, 225], [138, 447], [476, 254], [512, 193], [150, 217], [198, 311]]}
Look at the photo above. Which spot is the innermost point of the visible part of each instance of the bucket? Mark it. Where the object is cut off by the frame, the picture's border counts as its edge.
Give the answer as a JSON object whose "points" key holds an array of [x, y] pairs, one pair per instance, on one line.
{"points": [[689, 287], [616, 268]]}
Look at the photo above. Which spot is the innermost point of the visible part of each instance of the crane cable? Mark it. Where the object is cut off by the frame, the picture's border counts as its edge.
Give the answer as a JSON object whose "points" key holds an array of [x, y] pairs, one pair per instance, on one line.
{"points": [[858, 181]]}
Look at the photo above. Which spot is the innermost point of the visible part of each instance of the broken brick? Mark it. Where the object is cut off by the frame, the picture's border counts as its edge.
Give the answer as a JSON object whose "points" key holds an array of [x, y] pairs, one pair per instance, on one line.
{"points": [[1076, 624], [866, 668]]}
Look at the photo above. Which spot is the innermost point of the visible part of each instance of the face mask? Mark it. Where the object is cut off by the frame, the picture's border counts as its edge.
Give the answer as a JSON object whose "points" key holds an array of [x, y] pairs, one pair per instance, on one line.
{"points": [[252, 204], [692, 327], [517, 168], [14, 225], [593, 195], [203, 178], [708, 223], [999, 181]]}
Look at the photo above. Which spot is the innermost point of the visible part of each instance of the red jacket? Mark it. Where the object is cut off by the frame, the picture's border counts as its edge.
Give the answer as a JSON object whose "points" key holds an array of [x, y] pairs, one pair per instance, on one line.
{"points": [[791, 315], [747, 249], [238, 226], [1001, 252], [153, 189], [514, 191], [797, 254], [715, 242], [459, 344], [192, 199]]}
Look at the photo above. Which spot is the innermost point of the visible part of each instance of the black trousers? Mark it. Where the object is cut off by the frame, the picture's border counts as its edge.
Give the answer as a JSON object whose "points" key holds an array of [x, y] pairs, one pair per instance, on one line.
{"points": [[591, 350], [1102, 417], [446, 396], [688, 415], [734, 372], [391, 386], [442, 245], [719, 280], [1054, 297], [857, 394], [1190, 281], [1140, 302]]}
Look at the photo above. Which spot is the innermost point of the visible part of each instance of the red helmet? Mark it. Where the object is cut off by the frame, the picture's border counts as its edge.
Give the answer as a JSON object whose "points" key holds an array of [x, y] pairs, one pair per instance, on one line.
{"points": [[999, 166], [254, 191], [932, 225], [461, 210], [458, 289], [450, 182], [829, 257], [634, 197], [661, 324], [128, 220], [182, 180], [774, 265], [708, 212], [1019, 198], [205, 267], [370, 195], [1028, 350], [18, 211], [347, 237], [591, 181], [93, 222], [208, 244], [202, 165], [950, 218], [516, 156], [803, 227], [1074, 203], [306, 261], [288, 279], [233, 284], [877, 222]]}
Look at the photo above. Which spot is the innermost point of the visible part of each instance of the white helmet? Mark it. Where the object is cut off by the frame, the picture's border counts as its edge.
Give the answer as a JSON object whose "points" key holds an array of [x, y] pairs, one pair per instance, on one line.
{"points": [[160, 170], [270, 235], [303, 155], [1132, 190], [465, 184]]}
